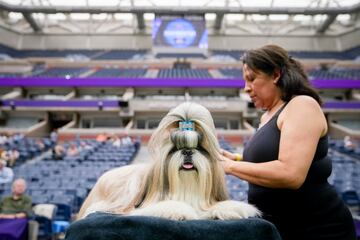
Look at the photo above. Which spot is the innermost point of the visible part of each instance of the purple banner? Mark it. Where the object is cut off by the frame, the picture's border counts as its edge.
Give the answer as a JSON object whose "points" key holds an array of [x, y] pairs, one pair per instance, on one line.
{"points": [[121, 82], [155, 82], [14, 229], [339, 105], [335, 83], [116, 104]]}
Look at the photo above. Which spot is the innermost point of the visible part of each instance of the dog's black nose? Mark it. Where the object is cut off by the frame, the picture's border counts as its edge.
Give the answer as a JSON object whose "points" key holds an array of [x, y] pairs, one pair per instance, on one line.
{"points": [[187, 152], [187, 161]]}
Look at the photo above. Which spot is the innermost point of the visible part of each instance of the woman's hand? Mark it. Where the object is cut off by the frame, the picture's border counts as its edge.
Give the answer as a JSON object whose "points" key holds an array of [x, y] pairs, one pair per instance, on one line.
{"points": [[231, 156], [227, 160], [20, 215], [7, 216]]}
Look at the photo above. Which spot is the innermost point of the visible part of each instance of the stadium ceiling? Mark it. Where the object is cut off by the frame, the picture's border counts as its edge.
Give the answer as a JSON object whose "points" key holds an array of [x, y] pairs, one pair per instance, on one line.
{"points": [[224, 17]]}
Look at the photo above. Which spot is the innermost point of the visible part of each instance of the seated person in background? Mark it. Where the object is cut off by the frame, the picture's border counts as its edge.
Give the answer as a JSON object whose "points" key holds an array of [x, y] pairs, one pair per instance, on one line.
{"points": [[40, 145], [116, 142], [58, 152], [84, 146], [17, 205], [6, 174], [54, 136], [348, 143], [5, 156], [10, 156], [14, 156], [3, 139], [14, 213], [126, 140], [73, 150], [17, 137], [102, 137]]}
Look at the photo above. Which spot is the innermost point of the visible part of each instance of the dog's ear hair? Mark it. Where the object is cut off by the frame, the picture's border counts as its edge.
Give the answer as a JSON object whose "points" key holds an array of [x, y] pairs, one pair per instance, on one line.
{"points": [[160, 143], [209, 140]]}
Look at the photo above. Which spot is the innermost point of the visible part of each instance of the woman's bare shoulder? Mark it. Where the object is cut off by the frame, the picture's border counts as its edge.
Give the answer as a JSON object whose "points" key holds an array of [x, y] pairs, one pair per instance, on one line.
{"points": [[303, 100], [303, 104], [302, 109]]}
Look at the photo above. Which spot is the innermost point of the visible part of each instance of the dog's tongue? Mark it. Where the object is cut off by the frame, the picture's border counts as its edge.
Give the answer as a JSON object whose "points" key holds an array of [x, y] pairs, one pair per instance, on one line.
{"points": [[188, 165]]}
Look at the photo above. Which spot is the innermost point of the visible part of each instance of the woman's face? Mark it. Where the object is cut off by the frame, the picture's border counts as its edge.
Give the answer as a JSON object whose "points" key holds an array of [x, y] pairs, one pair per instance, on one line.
{"points": [[261, 88]]}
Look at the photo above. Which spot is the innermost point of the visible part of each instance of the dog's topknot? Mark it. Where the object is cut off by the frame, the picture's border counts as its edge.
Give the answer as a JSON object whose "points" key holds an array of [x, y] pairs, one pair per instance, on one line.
{"points": [[185, 139]]}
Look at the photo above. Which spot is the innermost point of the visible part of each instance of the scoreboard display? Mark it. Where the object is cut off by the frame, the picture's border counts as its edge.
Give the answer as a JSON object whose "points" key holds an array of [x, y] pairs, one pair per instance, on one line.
{"points": [[173, 32]]}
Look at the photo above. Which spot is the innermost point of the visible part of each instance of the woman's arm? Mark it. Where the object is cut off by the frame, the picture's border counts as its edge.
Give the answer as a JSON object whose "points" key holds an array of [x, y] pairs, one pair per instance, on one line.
{"points": [[302, 123]]}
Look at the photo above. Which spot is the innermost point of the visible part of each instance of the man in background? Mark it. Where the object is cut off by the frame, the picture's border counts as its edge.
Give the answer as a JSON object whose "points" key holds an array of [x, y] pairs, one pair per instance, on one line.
{"points": [[15, 210], [18, 204]]}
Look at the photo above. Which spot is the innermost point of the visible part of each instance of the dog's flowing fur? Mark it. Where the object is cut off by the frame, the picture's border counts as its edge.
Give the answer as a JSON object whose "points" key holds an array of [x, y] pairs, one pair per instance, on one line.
{"points": [[162, 188]]}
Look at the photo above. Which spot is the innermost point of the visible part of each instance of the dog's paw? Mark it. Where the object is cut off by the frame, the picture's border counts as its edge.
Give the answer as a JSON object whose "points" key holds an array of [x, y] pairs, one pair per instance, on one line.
{"points": [[230, 209], [173, 210]]}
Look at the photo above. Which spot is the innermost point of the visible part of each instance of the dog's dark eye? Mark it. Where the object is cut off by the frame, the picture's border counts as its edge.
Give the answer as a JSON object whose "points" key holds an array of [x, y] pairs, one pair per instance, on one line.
{"points": [[173, 150], [199, 148]]}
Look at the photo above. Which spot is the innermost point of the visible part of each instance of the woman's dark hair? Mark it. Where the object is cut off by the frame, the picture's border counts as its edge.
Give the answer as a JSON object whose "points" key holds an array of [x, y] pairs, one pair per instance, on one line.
{"points": [[293, 80]]}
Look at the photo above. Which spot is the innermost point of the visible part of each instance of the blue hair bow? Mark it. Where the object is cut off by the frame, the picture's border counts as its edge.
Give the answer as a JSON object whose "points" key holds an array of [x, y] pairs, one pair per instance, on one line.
{"points": [[187, 125]]}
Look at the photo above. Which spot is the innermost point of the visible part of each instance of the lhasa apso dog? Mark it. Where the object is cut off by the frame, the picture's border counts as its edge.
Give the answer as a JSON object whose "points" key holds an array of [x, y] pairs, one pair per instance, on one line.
{"points": [[184, 181]]}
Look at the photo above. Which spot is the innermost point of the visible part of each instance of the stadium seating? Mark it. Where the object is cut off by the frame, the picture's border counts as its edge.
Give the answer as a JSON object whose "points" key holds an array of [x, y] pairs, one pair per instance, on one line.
{"points": [[231, 72], [115, 72], [233, 54], [66, 183], [27, 147], [350, 54], [40, 69], [345, 176], [180, 55], [11, 75], [184, 73], [44, 215], [119, 54], [335, 73], [13, 53], [62, 72]]}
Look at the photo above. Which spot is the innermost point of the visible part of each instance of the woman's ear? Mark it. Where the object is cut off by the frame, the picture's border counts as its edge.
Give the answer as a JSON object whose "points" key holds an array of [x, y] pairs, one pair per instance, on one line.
{"points": [[276, 76]]}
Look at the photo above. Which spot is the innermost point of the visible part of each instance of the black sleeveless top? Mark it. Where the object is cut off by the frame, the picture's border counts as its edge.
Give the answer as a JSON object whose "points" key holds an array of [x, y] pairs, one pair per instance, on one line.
{"points": [[312, 212]]}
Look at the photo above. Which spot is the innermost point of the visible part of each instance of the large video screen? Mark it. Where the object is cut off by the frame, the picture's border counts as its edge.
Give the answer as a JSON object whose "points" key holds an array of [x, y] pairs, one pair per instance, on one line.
{"points": [[180, 32]]}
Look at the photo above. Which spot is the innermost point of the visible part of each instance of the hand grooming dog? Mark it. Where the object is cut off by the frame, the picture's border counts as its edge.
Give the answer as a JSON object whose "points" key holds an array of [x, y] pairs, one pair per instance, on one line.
{"points": [[184, 181]]}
